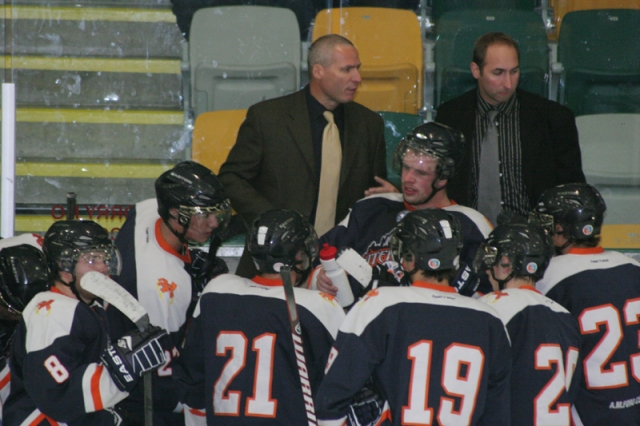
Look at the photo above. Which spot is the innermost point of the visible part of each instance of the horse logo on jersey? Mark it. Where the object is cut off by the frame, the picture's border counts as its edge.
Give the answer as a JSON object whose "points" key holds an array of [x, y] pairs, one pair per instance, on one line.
{"points": [[496, 295], [370, 294], [378, 252], [165, 287], [45, 304], [329, 298]]}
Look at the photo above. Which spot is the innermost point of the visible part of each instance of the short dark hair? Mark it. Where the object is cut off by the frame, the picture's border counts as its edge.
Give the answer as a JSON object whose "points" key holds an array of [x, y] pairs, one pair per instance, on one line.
{"points": [[440, 276], [321, 49], [482, 44]]}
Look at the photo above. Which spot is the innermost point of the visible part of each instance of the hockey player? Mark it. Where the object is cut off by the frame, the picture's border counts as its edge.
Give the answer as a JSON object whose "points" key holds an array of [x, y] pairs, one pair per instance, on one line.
{"points": [[545, 339], [436, 356], [602, 291], [23, 274], [158, 269], [63, 367], [428, 158], [239, 362]]}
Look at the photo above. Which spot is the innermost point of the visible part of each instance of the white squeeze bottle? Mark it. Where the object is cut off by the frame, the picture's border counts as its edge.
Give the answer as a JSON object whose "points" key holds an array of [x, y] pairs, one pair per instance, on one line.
{"points": [[337, 275]]}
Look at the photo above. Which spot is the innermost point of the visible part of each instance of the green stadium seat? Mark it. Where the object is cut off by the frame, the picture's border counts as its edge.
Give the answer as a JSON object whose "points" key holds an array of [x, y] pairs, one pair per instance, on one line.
{"points": [[599, 54], [457, 33], [440, 7]]}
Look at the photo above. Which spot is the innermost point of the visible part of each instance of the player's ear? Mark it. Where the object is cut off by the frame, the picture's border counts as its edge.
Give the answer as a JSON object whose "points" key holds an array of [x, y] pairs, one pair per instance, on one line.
{"points": [[441, 183], [475, 70]]}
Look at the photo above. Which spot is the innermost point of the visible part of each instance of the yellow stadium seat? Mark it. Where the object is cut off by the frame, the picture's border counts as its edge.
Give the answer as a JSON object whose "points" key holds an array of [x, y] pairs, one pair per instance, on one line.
{"points": [[390, 48], [214, 134]]}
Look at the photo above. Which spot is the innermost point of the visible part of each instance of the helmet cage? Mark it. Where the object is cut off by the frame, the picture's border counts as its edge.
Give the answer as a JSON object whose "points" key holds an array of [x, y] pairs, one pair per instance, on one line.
{"points": [[444, 166], [68, 257], [221, 210]]}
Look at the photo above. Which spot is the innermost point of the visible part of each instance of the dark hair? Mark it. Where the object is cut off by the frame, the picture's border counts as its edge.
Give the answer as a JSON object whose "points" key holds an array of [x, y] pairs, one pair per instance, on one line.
{"points": [[482, 44], [321, 49]]}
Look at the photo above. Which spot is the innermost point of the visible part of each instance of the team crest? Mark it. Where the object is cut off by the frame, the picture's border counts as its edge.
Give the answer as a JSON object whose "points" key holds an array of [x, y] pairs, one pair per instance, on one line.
{"points": [[369, 295], [329, 298], [532, 267], [44, 305], [165, 288], [434, 263], [496, 295], [587, 230]]}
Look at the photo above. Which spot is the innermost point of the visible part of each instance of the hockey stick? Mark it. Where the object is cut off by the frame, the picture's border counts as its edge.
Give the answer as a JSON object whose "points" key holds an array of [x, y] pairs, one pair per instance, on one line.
{"points": [[296, 335], [113, 293], [71, 205]]}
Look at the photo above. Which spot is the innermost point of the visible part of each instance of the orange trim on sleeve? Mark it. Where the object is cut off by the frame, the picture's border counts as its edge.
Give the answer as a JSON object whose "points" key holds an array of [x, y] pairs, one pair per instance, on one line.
{"points": [[266, 281], [5, 380], [197, 412], [95, 388]]}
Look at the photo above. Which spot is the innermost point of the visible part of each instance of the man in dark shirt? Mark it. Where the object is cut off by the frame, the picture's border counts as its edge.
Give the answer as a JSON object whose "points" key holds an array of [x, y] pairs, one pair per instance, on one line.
{"points": [[534, 140]]}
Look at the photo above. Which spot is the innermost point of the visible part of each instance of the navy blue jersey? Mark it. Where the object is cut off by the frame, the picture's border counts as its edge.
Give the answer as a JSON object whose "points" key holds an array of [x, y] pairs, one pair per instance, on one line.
{"points": [[436, 357], [239, 363], [545, 343], [154, 273], [368, 228], [602, 291], [56, 373]]}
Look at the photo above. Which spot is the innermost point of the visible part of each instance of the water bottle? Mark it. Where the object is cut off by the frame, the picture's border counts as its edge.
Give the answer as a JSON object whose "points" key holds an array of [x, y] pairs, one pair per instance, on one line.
{"points": [[337, 275]]}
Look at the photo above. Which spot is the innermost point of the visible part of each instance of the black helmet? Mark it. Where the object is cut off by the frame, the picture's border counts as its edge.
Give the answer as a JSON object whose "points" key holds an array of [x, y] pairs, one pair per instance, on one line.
{"points": [[437, 140], [431, 237], [276, 238], [577, 207], [192, 189], [529, 249], [23, 273], [67, 240]]}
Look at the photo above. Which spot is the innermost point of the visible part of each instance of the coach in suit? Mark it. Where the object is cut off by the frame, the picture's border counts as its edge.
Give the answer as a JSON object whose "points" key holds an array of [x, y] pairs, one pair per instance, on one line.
{"points": [[535, 139], [276, 161]]}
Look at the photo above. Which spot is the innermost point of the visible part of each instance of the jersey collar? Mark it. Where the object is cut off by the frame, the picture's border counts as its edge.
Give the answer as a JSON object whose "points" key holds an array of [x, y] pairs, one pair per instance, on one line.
{"points": [[412, 208], [431, 286], [529, 287], [586, 250], [164, 245], [267, 282]]}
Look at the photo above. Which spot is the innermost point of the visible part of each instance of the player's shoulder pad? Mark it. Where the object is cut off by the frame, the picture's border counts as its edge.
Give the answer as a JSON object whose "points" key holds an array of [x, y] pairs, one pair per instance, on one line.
{"points": [[475, 216], [47, 317], [509, 302], [369, 307], [365, 204], [564, 266], [323, 306]]}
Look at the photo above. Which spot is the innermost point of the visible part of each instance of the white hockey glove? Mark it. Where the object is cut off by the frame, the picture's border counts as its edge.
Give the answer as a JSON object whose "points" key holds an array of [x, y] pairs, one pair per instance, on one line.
{"points": [[134, 354]]}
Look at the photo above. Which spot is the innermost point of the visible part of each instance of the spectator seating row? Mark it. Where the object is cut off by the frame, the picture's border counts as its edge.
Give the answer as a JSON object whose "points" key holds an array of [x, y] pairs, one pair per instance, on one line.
{"points": [[240, 55]]}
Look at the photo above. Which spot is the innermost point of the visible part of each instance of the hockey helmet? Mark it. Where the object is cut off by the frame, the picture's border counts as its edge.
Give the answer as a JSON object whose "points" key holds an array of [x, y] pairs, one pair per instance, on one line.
{"points": [[23, 273], [435, 140], [67, 240], [282, 237], [430, 237], [577, 207], [192, 189], [529, 249]]}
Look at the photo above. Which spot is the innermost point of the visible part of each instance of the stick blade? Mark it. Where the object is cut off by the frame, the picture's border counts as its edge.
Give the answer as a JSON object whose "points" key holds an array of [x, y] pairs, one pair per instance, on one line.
{"points": [[113, 293]]}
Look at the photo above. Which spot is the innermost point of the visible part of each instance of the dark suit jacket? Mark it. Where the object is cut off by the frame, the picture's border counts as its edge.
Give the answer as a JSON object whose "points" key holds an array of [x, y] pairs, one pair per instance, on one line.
{"points": [[272, 164], [548, 137]]}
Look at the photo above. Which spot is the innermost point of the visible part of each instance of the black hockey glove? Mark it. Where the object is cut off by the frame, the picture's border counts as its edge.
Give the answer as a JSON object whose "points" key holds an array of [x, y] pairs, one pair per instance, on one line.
{"points": [[468, 277], [134, 354], [366, 409], [204, 267]]}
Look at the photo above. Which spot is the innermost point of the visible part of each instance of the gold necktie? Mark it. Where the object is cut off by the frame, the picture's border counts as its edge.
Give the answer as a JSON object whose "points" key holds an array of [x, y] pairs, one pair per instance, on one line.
{"points": [[329, 176]]}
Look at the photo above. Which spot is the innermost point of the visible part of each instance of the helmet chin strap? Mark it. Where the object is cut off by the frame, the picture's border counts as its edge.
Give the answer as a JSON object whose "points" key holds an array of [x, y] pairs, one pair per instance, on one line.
{"points": [[434, 191], [179, 235], [72, 286], [502, 283]]}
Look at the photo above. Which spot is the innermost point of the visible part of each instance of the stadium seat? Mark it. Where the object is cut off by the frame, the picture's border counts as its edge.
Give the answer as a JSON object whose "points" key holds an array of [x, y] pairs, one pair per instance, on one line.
{"points": [[240, 55], [390, 48], [457, 33], [440, 7], [610, 145], [396, 126], [214, 134], [562, 7], [598, 56]]}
